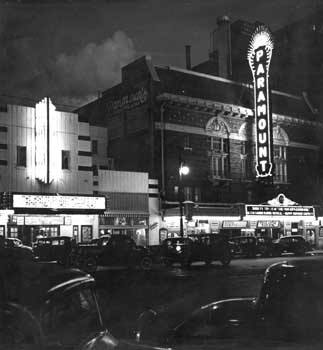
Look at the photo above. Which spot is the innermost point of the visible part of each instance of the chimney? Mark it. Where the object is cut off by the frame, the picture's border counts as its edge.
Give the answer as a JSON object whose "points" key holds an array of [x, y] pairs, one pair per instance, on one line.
{"points": [[188, 56]]}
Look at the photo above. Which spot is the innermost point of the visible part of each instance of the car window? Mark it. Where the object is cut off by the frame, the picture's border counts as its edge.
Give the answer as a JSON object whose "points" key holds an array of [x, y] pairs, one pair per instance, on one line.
{"points": [[72, 313]]}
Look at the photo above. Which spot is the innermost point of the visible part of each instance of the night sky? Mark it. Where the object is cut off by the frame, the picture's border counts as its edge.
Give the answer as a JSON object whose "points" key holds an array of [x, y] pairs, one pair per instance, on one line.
{"points": [[71, 49]]}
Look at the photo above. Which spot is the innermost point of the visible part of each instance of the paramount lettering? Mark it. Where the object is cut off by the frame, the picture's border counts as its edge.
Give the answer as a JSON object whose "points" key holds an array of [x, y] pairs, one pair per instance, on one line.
{"points": [[259, 56]]}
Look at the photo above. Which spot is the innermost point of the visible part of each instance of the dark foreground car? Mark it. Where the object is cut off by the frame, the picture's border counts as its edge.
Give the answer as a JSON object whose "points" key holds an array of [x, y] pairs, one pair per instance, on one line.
{"points": [[201, 247], [46, 307], [117, 250], [295, 244], [287, 314]]}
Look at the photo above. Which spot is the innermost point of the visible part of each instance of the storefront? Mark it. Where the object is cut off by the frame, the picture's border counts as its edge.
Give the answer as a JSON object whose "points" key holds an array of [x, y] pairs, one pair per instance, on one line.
{"points": [[208, 219], [282, 217], [278, 217], [134, 225], [55, 215]]}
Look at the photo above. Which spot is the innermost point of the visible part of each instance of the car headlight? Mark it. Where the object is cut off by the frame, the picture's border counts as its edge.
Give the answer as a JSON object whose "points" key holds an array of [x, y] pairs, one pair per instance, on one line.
{"points": [[178, 248]]}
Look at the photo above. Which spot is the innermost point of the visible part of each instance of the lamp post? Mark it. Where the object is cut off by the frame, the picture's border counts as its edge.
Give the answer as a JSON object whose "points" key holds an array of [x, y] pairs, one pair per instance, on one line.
{"points": [[183, 170]]}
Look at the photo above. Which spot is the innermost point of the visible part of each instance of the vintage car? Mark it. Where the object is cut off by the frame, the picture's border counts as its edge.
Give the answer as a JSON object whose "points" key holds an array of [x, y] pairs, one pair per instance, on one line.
{"points": [[117, 250], [286, 314], [295, 244], [251, 247], [199, 247], [56, 248], [13, 248], [47, 307]]}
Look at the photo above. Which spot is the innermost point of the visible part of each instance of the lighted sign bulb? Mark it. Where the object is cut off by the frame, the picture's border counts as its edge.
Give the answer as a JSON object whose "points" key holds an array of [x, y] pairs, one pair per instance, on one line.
{"points": [[184, 170]]}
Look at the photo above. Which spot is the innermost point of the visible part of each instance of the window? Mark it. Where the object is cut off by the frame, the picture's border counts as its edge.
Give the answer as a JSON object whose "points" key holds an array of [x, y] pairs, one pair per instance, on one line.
{"points": [[95, 170], [94, 147], [188, 193], [280, 161], [187, 145], [197, 194], [21, 156], [86, 233], [219, 157], [13, 232], [65, 159]]}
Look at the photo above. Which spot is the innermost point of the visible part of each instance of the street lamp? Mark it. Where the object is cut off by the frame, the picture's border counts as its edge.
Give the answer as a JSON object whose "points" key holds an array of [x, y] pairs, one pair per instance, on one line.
{"points": [[183, 170]]}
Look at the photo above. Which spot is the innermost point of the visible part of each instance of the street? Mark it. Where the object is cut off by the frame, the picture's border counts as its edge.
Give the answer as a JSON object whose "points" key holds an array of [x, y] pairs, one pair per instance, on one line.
{"points": [[176, 291]]}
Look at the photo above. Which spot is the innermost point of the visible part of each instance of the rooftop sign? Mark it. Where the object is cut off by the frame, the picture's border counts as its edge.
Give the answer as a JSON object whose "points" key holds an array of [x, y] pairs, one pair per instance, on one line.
{"points": [[259, 57]]}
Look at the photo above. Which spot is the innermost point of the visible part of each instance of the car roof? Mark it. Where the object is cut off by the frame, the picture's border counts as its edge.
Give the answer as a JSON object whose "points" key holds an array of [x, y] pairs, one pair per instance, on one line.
{"points": [[308, 264], [37, 282]]}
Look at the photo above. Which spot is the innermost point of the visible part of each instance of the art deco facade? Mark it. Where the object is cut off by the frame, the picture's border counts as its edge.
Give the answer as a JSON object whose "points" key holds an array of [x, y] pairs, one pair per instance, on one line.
{"points": [[56, 178]]}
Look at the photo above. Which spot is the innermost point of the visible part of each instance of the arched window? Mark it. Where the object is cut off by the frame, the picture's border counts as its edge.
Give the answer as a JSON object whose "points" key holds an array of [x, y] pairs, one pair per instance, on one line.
{"points": [[281, 142], [218, 148], [246, 160]]}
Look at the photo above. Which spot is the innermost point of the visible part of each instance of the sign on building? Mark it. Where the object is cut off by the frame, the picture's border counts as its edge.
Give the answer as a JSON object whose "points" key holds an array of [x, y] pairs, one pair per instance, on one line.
{"points": [[259, 57]]}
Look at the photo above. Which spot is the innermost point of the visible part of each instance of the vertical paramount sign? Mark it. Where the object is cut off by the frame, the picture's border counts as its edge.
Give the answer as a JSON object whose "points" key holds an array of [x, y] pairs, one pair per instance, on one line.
{"points": [[259, 56]]}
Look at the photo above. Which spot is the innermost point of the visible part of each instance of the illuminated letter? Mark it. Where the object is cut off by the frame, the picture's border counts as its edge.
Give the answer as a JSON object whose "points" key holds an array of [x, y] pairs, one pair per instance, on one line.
{"points": [[263, 164], [262, 124], [262, 138], [261, 97], [261, 110], [263, 152], [260, 69], [259, 54], [260, 83]]}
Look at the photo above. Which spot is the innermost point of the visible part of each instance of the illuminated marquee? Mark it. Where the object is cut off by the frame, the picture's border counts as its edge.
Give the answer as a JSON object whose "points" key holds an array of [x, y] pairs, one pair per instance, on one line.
{"points": [[58, 202], [259, 56]]}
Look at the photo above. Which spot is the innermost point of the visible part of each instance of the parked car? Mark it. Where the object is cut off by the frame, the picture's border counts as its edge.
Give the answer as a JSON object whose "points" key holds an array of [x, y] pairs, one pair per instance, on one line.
{"points": [[286, 314], [13, 248], [250, 246], [54, 308], [244, 246], [53, 249], [295, 244], [119, 250], [199, 247]]}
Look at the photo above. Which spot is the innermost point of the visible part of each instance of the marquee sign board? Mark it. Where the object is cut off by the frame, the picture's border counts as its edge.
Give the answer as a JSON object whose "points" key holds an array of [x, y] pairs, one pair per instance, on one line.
{"points": [[259, 57], [269, 210], [58, 202]]}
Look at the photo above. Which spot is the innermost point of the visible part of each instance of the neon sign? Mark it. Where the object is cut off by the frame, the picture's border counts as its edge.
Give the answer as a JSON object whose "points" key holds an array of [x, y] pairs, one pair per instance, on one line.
{"points": [[45, 146], [259, 57]]}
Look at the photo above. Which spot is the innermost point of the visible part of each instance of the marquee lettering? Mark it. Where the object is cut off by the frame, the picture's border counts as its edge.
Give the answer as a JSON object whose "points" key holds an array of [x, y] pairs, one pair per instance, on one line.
{"points": [[259, 56]]}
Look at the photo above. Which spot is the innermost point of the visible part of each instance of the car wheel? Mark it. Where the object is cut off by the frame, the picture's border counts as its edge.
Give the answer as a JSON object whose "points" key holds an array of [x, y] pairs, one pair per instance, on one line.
{"points": [[146, 263], [89, 265], [226, 258]]}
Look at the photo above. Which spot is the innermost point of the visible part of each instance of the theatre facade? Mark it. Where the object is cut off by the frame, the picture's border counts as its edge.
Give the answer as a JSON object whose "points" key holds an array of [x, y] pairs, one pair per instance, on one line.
{"points": [[244, 143], [56, 179]]}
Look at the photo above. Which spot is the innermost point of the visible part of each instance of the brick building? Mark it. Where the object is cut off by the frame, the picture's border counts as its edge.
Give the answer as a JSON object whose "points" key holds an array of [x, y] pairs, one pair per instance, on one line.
{"points": [[158, 115]]}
